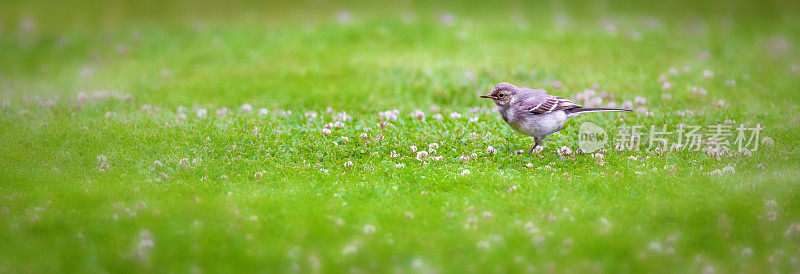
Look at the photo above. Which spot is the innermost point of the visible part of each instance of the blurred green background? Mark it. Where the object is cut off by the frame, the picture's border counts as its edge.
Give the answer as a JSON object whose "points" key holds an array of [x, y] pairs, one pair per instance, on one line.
{"points": [[369, 56]]}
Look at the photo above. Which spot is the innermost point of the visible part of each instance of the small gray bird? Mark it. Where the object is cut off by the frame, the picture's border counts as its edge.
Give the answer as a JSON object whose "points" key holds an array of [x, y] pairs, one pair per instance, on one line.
{"points": [[535, 113]]}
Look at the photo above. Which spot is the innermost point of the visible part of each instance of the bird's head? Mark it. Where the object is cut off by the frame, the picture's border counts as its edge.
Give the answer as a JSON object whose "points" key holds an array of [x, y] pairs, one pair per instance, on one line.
{"points": [[502, 93]]}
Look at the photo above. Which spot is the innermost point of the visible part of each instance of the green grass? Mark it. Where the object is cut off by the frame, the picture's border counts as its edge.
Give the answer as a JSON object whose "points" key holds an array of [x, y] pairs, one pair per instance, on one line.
{"points": [[309, 212]]}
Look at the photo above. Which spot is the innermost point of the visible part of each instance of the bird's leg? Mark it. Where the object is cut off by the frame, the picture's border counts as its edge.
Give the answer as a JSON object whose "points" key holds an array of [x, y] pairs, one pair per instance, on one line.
{"points": [[536, 144], [556, 130]]}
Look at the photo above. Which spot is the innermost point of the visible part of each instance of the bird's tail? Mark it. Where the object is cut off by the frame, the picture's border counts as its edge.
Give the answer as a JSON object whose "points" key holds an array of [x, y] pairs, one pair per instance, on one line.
{"points": [[584, 110]]}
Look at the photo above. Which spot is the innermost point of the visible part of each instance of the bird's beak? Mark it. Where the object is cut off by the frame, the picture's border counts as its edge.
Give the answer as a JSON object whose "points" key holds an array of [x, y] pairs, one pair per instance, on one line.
{"points": [[487, 96]]}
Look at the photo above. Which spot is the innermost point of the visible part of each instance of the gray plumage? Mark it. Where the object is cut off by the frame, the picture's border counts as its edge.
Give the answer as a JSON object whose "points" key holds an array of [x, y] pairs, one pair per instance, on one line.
{"points": [[535, 113]]}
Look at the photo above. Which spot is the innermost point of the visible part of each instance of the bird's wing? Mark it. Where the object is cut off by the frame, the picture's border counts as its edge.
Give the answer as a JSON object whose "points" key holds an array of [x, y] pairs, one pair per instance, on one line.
{"points": [[547, 104]]}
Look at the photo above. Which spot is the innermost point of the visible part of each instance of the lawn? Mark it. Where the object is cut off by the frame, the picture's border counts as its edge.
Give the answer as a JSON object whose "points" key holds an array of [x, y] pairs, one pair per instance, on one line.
{"points": [[152, 136]]}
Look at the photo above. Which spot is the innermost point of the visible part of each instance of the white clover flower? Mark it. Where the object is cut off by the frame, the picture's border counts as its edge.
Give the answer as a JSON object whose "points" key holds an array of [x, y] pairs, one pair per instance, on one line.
{"points": [[666, 96], [455, 115], [491, 150], [565, 151], [744, 152], [413, 148], [447, 18], [483, 244], [666, 86], [767, 142], [772, 215], [730, 82], [222, 112], [530, 227], [400, 165], [326, 131], [144, 246], [101, 159], [158, 163], [417, 263], [103, 166], [599, 156], [348, 164], [247, 108], [369, 229], [201, 113], [712, 152], [699, 90], [258, 175], [418, 114], [655, 246], [184, 162], [639, 100], [771, 203], [716, 172], [82, 97], [473, 119], [793, 229], [263, 111], [343, 116], [728, 170], [343, 17], [422, 155], [708, 74], [673, 71], [463, 158], [387, 115], [349, 249], [627, 105], [145, 107], [465, 172], [311, 114], [393, 154], [433, 108], [433, 145], [512, 188], [487, 215], [662, 79], [437, 116]]}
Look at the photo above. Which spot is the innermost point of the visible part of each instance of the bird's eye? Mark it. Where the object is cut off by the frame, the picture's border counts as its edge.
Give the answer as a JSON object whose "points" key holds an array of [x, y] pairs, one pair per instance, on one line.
{"points": [[500, 95]]}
